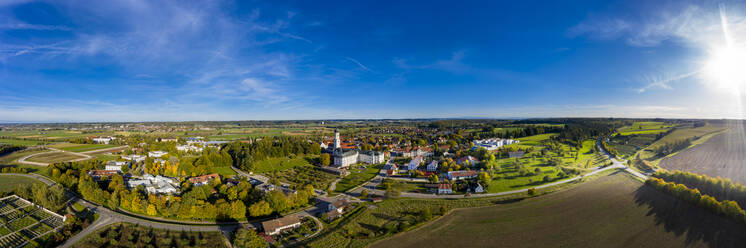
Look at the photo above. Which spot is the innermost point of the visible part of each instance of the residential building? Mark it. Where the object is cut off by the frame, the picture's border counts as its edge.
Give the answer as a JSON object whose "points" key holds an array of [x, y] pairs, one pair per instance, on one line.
{"points": [[478, 188], [414, 163], [459, 175], [432, 166], [390, 169], [371, 157], [336, 171], [445, 188], [188, 148], [135, 158], [168, 140], [336, 208], [157, 154], [115, 165], [204, 179], [276, 226]]}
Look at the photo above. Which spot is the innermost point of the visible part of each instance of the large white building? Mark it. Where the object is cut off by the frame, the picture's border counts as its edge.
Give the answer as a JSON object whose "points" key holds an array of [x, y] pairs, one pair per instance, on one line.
{"points": [[157, 154], [155, 184], [115, 165], [492, 144], [371, 157], [103, 140], [414, 163], [134, 157], [343, 159], [189, 148]]}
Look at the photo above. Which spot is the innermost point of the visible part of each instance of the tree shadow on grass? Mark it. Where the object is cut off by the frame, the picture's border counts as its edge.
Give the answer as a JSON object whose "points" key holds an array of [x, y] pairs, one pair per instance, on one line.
{"points": [[683, 218]]}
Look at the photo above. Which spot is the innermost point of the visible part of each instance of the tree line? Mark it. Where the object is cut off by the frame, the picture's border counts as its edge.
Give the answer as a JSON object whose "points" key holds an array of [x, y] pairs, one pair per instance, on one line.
{"points": [[720, 188], [671, 147], [726, 207], [7, 149]]}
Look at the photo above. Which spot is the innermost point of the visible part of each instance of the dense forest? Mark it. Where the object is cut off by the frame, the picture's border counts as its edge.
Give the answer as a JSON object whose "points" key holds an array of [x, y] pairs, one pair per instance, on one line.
{"points": [[245, 154]]}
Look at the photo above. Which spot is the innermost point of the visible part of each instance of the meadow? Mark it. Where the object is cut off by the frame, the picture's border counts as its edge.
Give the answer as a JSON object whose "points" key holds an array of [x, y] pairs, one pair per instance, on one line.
{"points": [[645, 127], [10, 182], [613, 211], [536, 139], [697, 134], [21, 142]]}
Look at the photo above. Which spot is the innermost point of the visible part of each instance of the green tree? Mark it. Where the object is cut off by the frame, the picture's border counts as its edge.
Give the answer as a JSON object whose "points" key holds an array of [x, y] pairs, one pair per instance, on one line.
{"points": [[531, 191], [325, 159], [238, 210], [260, 208], [364, 194], [247, 238]]}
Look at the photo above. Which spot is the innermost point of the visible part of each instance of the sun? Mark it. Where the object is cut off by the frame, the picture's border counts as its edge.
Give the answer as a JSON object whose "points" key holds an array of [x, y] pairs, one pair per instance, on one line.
{"points": [[726, 67]]}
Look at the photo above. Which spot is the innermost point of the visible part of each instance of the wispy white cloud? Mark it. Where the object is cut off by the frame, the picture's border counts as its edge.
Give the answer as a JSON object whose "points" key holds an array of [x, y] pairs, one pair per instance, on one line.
{"points": [[663, 81], [359, 64]]}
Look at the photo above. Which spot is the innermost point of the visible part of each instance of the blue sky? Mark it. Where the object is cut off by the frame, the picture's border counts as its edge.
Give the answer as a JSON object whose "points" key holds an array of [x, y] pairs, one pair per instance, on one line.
{"points": [[223, 60]]}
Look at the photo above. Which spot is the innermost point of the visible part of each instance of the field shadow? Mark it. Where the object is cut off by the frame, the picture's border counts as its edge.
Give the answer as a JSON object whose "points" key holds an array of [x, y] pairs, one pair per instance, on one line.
{"points": [[683, 218]]}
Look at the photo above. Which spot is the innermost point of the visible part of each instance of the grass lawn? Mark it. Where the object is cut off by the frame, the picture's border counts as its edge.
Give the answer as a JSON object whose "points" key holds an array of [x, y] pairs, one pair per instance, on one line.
{"points": [[223, 171], [78, 207], [404, 186], [11, 158], [87, 147], [612, 211], [536, 139], [106, 157], [279, 164], [9, 182], [357, 176], [53, 157]]}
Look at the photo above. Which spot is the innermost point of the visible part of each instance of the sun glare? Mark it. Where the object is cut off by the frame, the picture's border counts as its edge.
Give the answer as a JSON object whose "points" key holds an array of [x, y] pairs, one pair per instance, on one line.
{"points": [[727, 67]]}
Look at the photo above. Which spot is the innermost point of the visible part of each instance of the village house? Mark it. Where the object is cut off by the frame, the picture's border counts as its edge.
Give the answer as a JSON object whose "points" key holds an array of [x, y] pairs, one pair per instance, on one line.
{"points": [[445, 188], [157, 154], [168, 140], [390, 169], [460, 175], [204, 179], [276, 226], [336, 208], [432, 166], [414, 163]]}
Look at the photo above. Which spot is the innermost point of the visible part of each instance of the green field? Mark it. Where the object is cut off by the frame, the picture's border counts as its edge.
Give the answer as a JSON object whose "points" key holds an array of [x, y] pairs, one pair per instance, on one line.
{"points": [[357, 176], [223, 171], [9, 182], [53, 157], [536, 139], [612, 211], [106, 157], [645, 127], [50, 135], [279, 164]]}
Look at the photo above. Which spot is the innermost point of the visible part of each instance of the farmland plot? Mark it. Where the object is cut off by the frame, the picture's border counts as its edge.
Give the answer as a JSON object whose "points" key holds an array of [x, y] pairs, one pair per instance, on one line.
{"points": [[722, 155]]}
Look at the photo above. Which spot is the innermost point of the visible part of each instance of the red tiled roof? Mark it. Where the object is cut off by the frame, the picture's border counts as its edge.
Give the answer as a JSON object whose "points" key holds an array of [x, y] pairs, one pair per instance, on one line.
{"points": [[444, 186], [204, 178]]}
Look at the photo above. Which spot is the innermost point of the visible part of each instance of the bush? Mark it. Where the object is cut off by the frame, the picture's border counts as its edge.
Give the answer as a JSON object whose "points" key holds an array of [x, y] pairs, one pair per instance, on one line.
{"points": [[531, 191]]}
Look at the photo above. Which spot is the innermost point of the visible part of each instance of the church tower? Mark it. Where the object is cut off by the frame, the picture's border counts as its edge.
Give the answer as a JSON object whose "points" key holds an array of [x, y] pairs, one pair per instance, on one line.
{"points": [[337, 143]]}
